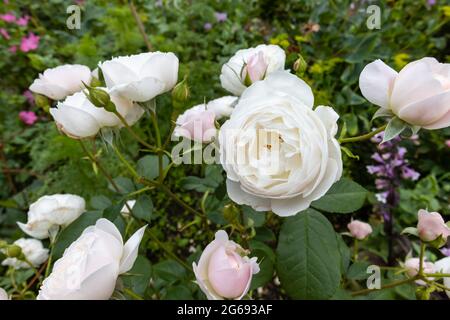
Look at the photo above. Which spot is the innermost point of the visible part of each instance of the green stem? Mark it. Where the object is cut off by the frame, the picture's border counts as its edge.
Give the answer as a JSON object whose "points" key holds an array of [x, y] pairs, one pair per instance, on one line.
{"points": [[167, 250], [132, 294], [390, 285], [421, 258], [126, 125], [363, 137], [355, 250], [158, 145], [437, 275], [140, 25], [126, 163]]}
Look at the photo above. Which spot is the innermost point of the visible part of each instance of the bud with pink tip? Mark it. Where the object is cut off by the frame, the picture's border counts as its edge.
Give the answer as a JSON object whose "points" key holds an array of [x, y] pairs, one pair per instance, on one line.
{"points": [[256, 67], [196, 123], [359, 230], [224, 271], [431, 226]]}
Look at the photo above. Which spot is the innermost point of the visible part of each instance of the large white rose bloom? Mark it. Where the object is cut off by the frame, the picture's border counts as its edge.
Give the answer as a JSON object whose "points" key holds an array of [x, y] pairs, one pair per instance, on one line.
{"points": [[62, 81], [279, 154], [90, 266], [3, 294], [141, 77], [49, 213], [443, 266], [33, 251], [78, 118], [250, 65], [419, 94]]}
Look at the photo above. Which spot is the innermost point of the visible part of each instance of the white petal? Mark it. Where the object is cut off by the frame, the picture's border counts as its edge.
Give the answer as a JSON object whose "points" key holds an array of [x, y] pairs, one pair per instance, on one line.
{"points": [[376, 81], [130, 250], [140, 90], [239, 196]]}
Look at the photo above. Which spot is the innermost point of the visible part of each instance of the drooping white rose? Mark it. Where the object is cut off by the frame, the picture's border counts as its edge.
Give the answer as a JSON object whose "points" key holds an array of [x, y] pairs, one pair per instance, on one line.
{"points": [[60, 82], [419, 94], [196, 123], [33, 251], [3, 294], [250, 65], [224, 271], [443, 266], [279, 153], [141, 77], [90, 266], [49, 213], [222, 107], [78, 118]]}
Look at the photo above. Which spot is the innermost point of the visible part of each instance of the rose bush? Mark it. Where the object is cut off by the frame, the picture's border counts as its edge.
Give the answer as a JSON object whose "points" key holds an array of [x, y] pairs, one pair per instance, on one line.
{"points": [[258, 195]]}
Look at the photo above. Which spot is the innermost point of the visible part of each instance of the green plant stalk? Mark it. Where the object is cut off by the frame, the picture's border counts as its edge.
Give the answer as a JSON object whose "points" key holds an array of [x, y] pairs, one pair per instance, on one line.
{"points": [[389, 285], [158, 146], [134, 134], [355, 250], [363, 137], [140, 25], [421, 258]]}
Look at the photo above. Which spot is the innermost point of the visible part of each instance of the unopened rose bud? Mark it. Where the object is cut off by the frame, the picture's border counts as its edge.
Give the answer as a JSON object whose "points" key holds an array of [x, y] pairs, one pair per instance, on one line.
{"points": [[359, 230], [13, 251], [223, 272], [181, 92], [255, 69], [42, 101], [100, 98], [431, 226], [300, 66]]}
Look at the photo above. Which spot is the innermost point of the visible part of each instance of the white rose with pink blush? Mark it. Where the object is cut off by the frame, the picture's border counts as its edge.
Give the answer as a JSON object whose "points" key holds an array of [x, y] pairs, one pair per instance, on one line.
{"points": [[250, 65], [431, 225], [359, 230], [196, 123], [419, 94], [224, 271], [90, 266], [62, 81]]}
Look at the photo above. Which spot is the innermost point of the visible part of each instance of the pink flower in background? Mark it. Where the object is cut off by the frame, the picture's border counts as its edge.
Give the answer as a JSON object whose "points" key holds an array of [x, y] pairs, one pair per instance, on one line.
{"points": [[29, 96], [447, 143], [12, 49], [23, 21], [28, 117], [207, 26], [29, 43], [8, 17], [221, 16], [5, 33]]}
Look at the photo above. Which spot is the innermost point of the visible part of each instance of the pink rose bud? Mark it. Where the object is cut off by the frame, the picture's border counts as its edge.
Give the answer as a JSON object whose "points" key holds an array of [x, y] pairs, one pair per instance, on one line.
{"points": [[224, 271], [360, 230], [28, 117], [447, 143], [197, 124], [256, 67], [431, 226]]}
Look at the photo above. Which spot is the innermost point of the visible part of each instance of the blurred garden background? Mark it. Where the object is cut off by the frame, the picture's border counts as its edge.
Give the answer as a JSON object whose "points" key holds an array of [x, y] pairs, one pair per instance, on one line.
{"points": [[335, 42]]}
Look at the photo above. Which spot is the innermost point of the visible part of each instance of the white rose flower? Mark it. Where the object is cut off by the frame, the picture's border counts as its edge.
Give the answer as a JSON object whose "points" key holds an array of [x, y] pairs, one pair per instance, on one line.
{"points": [[250, 65], [62, 81], [3, 294], [279, 153], [443, 266], [419, 94], [49, 213], [33, 251], [78, 118], [90, 266], [222, 107], [141, 77]]}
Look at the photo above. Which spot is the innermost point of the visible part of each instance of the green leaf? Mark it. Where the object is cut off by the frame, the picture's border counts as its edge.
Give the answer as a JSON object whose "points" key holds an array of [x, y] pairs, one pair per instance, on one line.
{"points": [[138, 278], [125, 185], [345, 196], [344, 252], [358, 270], [349, 153], [411, 230], [308, 256], [74, 230], [143, 208], [394, 128], [112, 212], [178, 292], [382, 113], [213, 178], [100, 202], [169, 270], [266, 260], [148, 166], [253, 216]]}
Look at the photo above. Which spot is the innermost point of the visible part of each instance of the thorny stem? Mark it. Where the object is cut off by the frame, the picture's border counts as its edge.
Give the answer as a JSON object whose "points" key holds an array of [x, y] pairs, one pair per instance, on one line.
{"points": [[363, 137], [140, 25], [139, 139]]}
